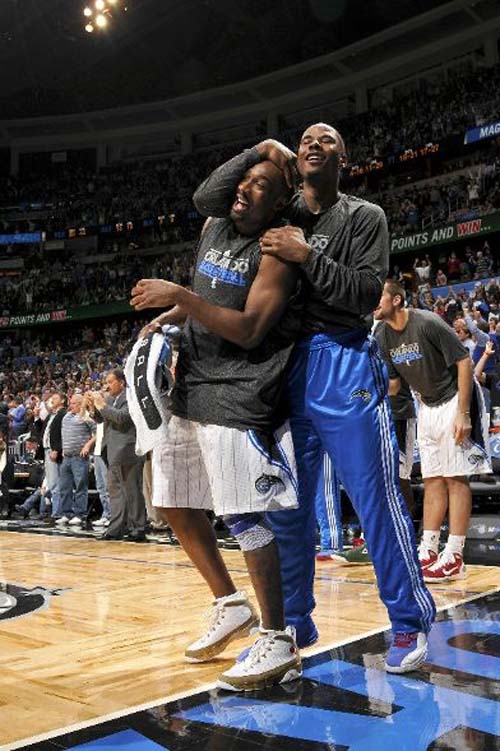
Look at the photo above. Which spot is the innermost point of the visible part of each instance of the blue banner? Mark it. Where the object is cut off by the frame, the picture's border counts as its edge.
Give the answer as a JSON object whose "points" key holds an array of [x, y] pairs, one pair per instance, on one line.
{"points": [[21, 238], [491, 130]]}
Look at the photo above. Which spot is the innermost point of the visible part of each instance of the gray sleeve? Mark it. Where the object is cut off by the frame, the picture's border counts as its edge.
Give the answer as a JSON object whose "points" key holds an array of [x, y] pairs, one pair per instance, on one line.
{"points": [[445, 340], [482, 338], [358, 286], [215, 195]]}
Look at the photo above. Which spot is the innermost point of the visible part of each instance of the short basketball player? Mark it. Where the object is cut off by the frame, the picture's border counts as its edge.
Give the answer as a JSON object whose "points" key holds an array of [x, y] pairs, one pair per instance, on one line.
{"points": [[228, 448]]}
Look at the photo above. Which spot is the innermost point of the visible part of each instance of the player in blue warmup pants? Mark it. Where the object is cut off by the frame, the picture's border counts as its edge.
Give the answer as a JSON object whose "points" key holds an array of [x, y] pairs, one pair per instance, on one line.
{"points": [[337, 398]]}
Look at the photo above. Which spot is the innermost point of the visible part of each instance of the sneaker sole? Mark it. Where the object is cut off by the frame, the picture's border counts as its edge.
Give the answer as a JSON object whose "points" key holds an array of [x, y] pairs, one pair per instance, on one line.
{"points": [[252, 683], [450, 578], [356, 563], [247, 629], [407, 668], [332, 557]]}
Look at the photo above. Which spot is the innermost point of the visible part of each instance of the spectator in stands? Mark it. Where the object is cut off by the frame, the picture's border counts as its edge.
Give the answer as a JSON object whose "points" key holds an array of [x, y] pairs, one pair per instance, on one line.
{"points": [[4, 421], [51, 439], [453, 267], [423, 270], [101, 478], [483, 267], [78, 438], [18, 415], [441, 278], [491, 381]]}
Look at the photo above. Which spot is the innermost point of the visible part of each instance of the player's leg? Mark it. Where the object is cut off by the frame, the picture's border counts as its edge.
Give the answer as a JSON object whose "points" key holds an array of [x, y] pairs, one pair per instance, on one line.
{"points": [[449, 565], [328, 509], [250, 472], [182, 495], [368, 466], [274, 657], [196, 535], [261, 555], [457, 463], [295, 530], [405, 435]]}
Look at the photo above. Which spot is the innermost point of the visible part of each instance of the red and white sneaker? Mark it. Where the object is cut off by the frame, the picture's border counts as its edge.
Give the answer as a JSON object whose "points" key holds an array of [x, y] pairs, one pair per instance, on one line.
{"points": [[426, 557], [448, 567]]}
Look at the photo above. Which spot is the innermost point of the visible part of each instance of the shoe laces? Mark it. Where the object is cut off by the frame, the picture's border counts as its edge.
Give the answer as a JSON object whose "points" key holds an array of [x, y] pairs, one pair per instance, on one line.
{"points": [[447, 556], [260, 649], [404, 639], [214, 616], [423, 551]]}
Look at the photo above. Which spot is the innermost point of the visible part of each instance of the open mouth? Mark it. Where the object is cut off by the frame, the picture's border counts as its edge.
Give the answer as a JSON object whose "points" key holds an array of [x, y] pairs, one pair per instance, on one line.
{"points": [[240, 205], [315, 159]]}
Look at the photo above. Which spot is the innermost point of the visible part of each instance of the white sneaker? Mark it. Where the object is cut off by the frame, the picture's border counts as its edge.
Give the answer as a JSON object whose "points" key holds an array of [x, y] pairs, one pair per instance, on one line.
{"points": [[230, 618], [273, 659], [75, 522], [102, 522], [62, 520]]}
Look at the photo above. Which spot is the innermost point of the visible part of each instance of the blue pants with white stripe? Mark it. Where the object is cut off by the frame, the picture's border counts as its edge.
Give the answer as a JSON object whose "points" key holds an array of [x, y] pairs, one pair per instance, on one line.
{"points": [[328, 507], [337, 391]]}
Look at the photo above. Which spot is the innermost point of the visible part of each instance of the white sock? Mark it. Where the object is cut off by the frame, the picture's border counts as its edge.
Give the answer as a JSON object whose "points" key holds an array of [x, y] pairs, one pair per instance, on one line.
{"points": [[234, 596], [430, 540], [456, 544]]}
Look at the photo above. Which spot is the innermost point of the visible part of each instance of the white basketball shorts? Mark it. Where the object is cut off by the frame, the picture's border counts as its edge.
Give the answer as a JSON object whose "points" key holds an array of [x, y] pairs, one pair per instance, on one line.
{"points": [[440, 456], [405, 433], [223, 469]]}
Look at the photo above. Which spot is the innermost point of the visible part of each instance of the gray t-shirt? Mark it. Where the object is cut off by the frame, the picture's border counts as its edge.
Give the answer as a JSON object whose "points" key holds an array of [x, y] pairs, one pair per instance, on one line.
{"points": [[425, 354], [218, 382]]}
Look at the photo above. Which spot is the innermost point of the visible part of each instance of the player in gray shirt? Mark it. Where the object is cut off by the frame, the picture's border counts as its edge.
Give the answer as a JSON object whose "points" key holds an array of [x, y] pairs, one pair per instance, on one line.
{"points": [[452, 426]]}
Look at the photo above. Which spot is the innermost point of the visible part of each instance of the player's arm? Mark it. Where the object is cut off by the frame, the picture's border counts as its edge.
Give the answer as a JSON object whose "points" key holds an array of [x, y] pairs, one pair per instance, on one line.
{"points": [[455, 354], [462, 427], [215, 195], [394, 379], [272, 287], [356, 287], [394, 386], [172, 317], [479, 369]]}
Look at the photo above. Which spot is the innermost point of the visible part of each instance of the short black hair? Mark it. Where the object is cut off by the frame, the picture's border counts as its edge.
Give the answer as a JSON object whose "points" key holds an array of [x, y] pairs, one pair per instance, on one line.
{"points": [[118, 374]]}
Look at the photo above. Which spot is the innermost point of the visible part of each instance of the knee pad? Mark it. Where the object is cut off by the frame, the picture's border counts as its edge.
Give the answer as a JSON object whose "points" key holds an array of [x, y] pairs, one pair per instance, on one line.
{"points": [[250, 530]]}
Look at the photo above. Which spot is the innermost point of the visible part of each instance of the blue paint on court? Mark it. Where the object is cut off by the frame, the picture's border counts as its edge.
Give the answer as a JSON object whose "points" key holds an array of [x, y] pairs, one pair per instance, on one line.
{"points": [[125, 740]]}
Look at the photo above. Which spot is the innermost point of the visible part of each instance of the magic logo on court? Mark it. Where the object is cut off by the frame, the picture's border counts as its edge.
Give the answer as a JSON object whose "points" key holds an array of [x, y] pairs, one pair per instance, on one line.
{"points": [[17, 601]]}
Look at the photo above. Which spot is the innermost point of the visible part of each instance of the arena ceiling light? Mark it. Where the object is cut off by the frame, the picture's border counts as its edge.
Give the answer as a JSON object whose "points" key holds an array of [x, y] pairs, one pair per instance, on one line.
{"points": [[101, 13]]}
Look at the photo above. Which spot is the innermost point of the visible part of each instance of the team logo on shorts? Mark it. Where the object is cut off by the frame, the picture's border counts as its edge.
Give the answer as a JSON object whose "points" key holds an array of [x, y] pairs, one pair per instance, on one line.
{"points": [[475, 458], [17, 601], [265, 482], [361, 394]]}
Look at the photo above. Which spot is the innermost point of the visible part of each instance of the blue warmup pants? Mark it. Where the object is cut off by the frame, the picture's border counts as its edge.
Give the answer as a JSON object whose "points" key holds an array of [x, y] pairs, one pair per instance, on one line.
{"points": [[337, 392], [328, 507]]}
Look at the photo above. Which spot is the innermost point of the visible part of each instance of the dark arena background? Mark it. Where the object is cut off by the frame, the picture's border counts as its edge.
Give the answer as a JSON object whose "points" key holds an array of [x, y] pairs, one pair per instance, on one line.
{"points": [[112, 113]]}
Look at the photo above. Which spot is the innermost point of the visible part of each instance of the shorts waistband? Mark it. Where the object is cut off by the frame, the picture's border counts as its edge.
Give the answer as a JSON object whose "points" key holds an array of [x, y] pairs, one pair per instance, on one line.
{"points": [[319, 341]]}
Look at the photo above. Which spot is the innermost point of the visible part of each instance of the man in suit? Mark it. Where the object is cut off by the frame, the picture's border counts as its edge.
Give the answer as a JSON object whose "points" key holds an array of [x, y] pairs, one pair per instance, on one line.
{"points": [[128, 509]]}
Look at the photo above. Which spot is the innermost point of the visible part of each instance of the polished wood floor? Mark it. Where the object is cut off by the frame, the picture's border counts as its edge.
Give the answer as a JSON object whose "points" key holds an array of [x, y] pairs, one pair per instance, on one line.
{"points": [[113, 637]]}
